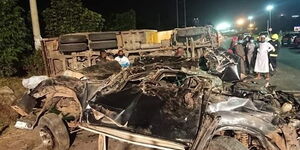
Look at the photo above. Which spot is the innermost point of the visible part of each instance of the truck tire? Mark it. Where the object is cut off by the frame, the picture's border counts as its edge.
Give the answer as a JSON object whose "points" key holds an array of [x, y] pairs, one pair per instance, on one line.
{"points": [[102, 36], [103, 44], [75, 47], [53, 132], [66, 39], [189, 32], [226, 143]]}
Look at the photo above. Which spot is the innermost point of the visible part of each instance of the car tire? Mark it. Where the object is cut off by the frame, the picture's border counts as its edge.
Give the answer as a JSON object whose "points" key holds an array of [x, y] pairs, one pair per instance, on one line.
{"points": [[66, 39], [102, 36], [53, 132], [111, 44], [226, 143], [74, 47]]}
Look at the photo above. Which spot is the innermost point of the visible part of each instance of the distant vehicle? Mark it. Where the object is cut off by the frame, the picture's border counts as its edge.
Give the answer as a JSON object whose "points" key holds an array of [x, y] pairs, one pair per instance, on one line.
{"points": [[288, 39], [296, 41], [229, 32]]}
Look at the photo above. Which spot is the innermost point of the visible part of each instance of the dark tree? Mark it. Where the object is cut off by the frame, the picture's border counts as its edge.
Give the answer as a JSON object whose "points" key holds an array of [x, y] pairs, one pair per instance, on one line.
{"points": [[69, 16], [121, 21], [13, 36]]}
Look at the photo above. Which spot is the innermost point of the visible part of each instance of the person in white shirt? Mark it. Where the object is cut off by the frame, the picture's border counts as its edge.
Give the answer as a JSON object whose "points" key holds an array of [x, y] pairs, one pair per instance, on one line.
{"points": [[122, 60], [262, 59]]}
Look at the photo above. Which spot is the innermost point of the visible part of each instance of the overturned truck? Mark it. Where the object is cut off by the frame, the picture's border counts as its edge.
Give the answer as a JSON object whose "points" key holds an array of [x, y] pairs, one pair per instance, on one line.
{"points": [[164, 102], [79, 50]]}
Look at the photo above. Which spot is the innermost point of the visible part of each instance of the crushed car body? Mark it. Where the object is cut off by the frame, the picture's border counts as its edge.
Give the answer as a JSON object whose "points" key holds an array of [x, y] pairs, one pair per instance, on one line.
{"points": [[195, 102], [164, 105]]}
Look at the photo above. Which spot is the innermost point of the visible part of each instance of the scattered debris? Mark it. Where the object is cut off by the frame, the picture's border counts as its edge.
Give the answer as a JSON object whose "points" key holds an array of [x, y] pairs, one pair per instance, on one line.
{"points": [[7, 95], [6, 90], [33, 81]]}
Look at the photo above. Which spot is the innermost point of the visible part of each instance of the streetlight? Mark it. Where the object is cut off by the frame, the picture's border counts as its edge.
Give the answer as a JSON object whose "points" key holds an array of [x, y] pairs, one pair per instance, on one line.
{"points": [[250, 18], [269, 8], [240, 22]]}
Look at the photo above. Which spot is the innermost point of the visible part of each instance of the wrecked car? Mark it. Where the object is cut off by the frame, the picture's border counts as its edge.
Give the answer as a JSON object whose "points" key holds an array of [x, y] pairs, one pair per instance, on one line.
{"points": [[164, 103]]}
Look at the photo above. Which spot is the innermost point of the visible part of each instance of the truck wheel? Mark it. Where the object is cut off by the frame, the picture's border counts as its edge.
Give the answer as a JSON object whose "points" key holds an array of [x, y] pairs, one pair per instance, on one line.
{"points": [[74, 47], [66, 39], [189, 32], [226, 143], [104, 44], [53, 132], [102, 36]]}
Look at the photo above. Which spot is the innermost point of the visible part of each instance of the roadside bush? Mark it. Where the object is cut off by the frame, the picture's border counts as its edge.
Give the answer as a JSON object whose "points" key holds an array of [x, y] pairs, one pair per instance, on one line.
{"points": [[34, 64], [69, 16], [121, 21], [13, 35]]}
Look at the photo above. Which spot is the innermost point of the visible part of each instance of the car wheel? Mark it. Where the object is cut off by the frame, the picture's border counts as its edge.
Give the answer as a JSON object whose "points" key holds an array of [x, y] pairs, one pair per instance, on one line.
{"points": [[53, 132], [226, 143], [74, 47], [66, 39], [104, 44], [102, 36]]}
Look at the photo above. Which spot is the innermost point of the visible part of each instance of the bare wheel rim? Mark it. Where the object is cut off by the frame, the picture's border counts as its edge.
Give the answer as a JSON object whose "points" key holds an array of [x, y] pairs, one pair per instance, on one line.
{"points": [[47, 137]]}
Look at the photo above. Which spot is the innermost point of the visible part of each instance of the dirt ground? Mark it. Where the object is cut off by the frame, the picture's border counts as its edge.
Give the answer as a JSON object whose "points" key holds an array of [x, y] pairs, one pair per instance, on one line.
{"points": [[7, 115]]}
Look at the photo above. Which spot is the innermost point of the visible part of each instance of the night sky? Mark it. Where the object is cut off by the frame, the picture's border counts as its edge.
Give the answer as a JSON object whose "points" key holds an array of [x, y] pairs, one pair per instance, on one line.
{"points": [[161, 14]]}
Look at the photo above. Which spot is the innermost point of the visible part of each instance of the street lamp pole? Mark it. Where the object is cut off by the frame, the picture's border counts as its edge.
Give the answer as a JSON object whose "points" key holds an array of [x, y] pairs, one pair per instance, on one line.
{"points": [[177, 14], [184, 12], [250, 18], [270, 18], [269, 9], [35, 24]]}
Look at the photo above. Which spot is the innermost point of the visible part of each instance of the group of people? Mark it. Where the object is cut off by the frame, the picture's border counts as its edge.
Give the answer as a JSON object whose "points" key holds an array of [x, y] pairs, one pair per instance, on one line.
{"points": [[120, 58], [256, 56]]}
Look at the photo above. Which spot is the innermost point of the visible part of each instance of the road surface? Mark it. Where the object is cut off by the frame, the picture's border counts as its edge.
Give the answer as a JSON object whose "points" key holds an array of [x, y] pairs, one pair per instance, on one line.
{"points": [[288, 75]]}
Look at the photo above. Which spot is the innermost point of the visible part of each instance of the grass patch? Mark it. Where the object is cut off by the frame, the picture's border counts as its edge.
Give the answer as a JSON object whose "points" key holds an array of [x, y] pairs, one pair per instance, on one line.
{"points": [[15, 84]]}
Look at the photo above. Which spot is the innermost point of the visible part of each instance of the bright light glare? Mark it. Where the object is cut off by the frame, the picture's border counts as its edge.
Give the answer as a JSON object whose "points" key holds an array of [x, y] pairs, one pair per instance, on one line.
{"points": [[295, 16], [240, 21], [250, 17], [251, 25], [223, 26], [269, 7]]}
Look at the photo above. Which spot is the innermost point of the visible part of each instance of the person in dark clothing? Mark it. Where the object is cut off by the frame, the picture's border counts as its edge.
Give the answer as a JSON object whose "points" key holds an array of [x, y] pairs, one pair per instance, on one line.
{"points": [[251, 47], [274, 54], [240, 51]]}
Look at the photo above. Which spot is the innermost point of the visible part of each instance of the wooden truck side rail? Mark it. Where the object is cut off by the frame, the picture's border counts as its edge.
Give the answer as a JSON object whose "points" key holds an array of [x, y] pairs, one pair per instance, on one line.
{"points": [[134, 43]]}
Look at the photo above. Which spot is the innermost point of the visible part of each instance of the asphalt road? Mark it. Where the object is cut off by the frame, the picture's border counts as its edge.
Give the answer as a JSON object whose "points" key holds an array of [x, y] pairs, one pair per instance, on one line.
{"points": [[288, 75]]}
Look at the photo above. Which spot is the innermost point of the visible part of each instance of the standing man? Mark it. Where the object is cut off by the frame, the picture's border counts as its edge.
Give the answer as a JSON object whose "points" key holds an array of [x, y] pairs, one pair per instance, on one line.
{"points": [[262, 59], [251, 46], [122, 60], [240, 51], [274, 54]]}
